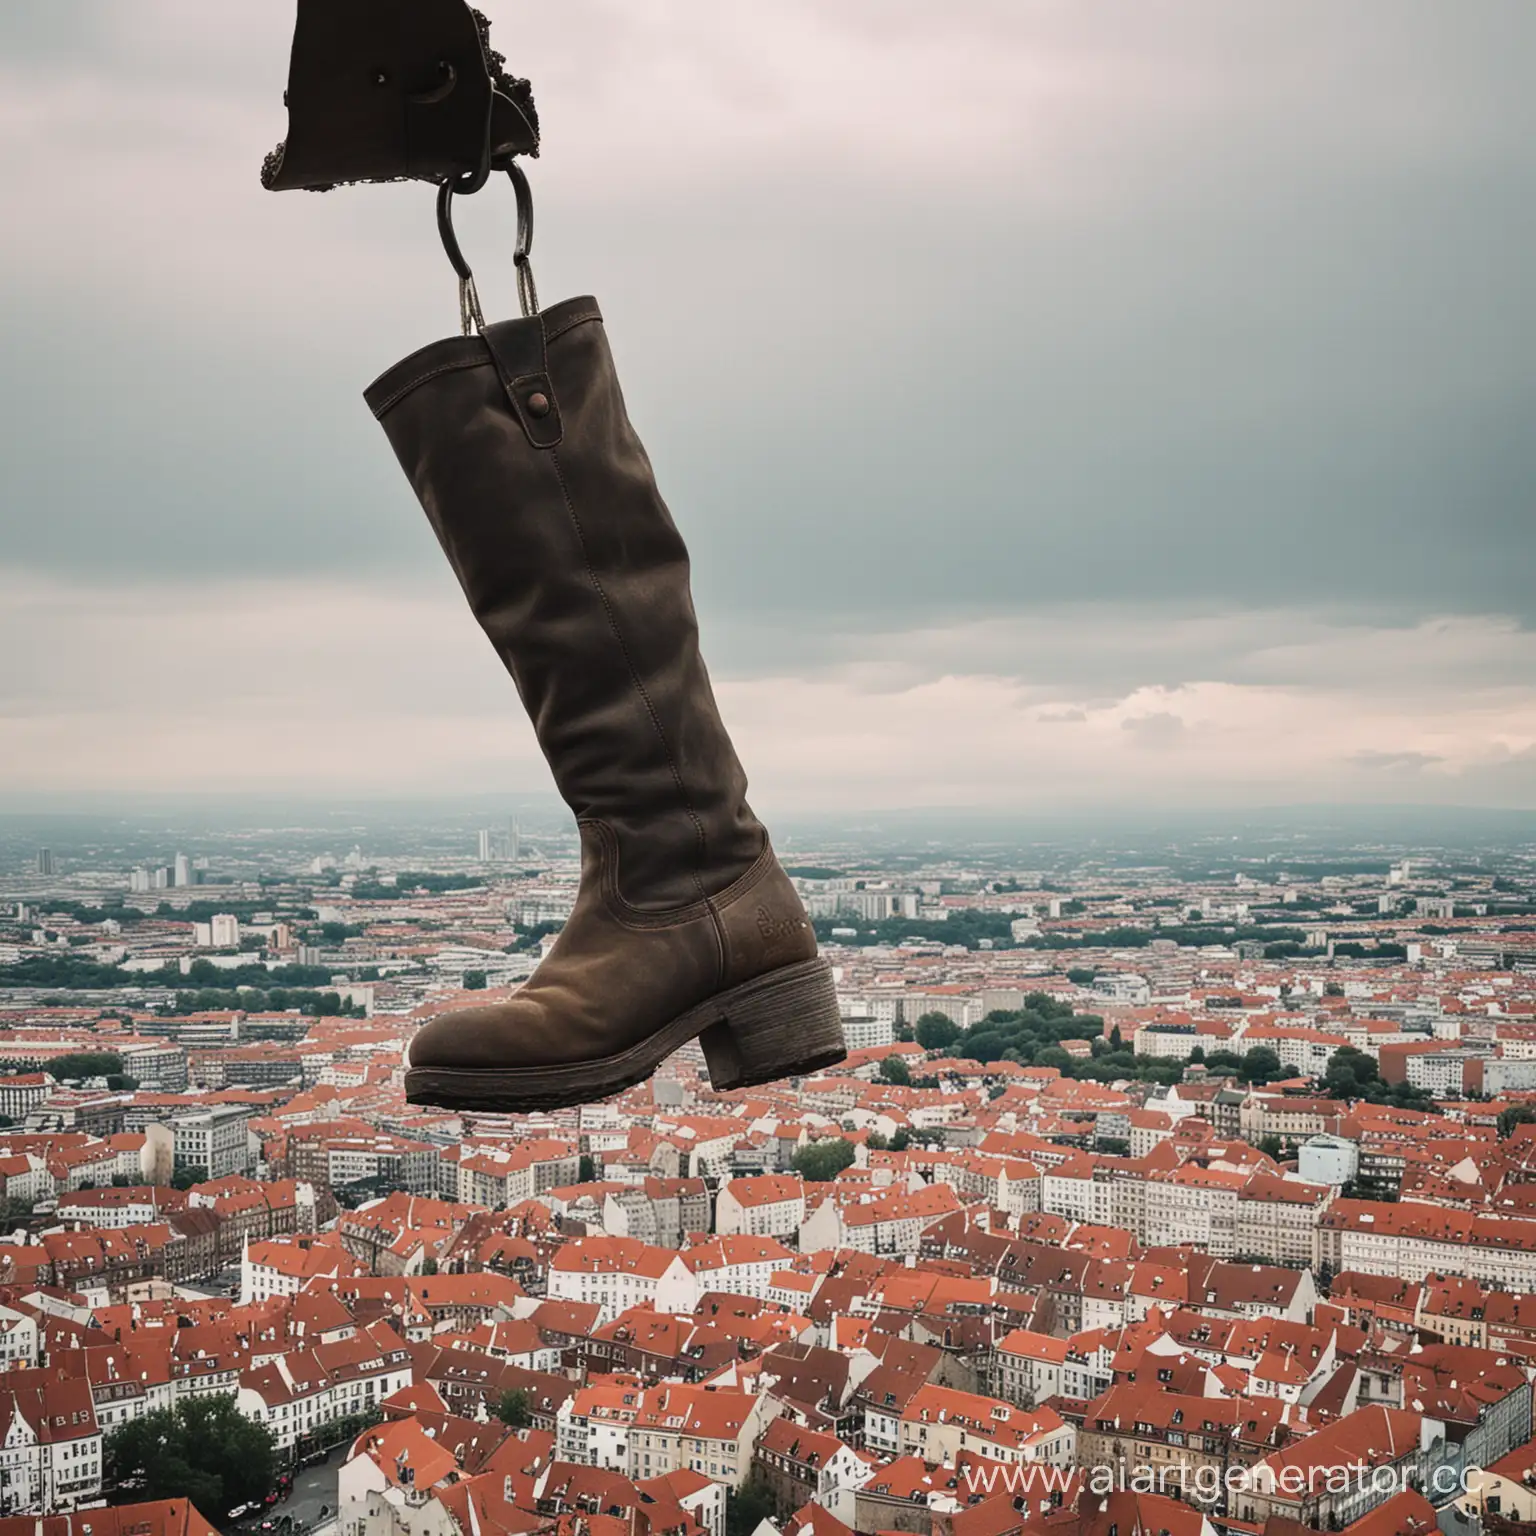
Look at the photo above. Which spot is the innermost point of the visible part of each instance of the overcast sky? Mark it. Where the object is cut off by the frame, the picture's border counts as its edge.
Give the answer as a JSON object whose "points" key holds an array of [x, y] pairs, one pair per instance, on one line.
{"points": [[1127, 404]]}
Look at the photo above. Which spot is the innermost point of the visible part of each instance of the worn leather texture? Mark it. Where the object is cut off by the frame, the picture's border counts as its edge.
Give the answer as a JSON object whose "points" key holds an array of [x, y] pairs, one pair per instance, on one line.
{"points": [[545, 504], [384, 89]]}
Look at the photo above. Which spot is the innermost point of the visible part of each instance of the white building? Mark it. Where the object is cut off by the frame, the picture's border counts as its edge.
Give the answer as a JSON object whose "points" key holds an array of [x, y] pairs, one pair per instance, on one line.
{"points": [[301, 1392], [771, 1206], [22, 1092], [1328, 1160], [50, 1457], [216, 1140]]}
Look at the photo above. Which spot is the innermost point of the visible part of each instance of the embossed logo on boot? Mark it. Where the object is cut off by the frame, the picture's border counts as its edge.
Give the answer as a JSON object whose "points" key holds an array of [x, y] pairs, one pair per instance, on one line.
{"points": [[780, 935]]}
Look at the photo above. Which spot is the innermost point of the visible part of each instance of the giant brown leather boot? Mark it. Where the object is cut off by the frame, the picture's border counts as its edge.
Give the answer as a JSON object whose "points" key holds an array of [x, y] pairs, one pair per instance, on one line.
{"points": [[518, 445]]}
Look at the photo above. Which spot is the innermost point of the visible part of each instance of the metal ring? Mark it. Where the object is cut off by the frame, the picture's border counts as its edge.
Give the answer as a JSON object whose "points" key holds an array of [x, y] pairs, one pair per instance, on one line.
{"points": [[445, 231], [527, 291], [524, 194]]}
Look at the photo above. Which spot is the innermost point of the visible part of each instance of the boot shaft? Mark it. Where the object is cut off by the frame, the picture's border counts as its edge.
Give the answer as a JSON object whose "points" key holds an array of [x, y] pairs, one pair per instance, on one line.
{"points": [[521, 452]]}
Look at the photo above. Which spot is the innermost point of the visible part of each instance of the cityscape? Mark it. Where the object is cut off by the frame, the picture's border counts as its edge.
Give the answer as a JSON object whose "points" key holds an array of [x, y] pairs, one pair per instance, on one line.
{"points": [[1180, 1180], [856, 856]]}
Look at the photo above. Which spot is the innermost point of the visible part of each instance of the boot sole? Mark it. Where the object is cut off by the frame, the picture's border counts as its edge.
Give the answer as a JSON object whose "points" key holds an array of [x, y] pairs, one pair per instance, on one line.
{"points": [[783, 1024]]}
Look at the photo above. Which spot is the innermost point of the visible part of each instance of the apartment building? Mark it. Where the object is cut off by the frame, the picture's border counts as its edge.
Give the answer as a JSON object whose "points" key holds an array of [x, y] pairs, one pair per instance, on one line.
{"points": [[51, 1453], [592, 1428], [1412, 1241], [216, 1140], [711, 1432], [503, 1176], [1030, 1367], [939, 1424], [1193, 1206], [770, 1206], [1277, 1219], [1332, 1477], [22, 1092], [299, 1394]]}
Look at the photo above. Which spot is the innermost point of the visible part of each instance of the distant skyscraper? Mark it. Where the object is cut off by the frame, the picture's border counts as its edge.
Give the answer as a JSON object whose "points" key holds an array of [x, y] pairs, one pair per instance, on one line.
{"points": [[515, 848], [45, 861], [183, 875], [497, 843]]}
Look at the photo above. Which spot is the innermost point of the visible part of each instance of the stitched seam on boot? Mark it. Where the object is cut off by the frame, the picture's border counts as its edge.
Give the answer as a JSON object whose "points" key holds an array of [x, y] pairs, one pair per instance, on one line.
{"points": [[630, 916], [622, 911], [420, 379], [476, 361], [650, 709], [571, 323]]}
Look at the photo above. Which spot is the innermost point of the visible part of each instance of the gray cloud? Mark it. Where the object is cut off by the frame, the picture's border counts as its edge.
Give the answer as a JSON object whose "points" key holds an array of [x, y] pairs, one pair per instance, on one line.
{"points": [[1119, 316], [1155, 731], [1396, 762], [1159, 372], [373, 687]]}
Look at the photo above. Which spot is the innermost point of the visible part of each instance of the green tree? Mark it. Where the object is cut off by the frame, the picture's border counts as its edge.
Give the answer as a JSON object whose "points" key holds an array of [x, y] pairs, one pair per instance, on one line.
{"points": [[587, 1170], [1349, 1073], [185, 1178], [1081, 976], [748, 1506], [1116, 1039], [901, 1140], [936, 1032], [1516, 1114], [1272, 1146], [1261, 1065], [204, 1449], [894, 1070], [14, 1213], [821, 1161], [514, 1410], [1197, 1056], [86, 1064], [474, 981]]}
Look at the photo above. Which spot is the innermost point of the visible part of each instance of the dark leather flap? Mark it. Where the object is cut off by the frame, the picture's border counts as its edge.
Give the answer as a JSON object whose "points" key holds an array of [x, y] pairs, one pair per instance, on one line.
{"points": [[517, 349]]}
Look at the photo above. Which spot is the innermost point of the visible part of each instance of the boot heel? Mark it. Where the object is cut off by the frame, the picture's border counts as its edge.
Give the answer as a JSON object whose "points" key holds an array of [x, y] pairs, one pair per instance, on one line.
{"points": [[785, 1024]]}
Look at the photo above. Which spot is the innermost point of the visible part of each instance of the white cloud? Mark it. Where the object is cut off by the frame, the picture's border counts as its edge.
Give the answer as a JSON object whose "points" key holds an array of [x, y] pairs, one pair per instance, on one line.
{"points": [[350, 688]]}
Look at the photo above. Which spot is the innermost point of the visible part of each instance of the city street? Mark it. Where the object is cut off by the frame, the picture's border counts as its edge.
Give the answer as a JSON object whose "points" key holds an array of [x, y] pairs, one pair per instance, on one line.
{"points": [[314, 1490], [311, 1505]]}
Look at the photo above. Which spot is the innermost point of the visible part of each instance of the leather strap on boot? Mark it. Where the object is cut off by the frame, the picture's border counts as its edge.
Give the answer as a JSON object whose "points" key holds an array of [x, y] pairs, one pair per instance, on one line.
{"points": [[517, 348]]}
